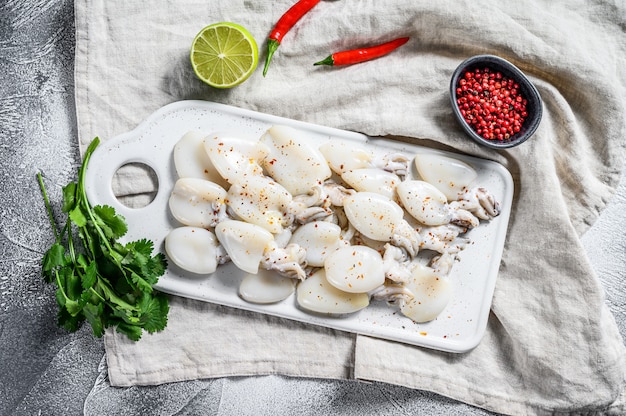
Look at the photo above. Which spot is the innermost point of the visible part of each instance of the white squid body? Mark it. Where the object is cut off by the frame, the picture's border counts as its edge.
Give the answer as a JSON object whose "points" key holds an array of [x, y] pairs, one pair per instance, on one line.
{"points": [[424, 202], [372, 180], [250, 246], [266, 286], [320, 238], [260, 200], [233, 158], [245, 243], [373, 215], [192, 161], [378, 218], [197, 202], [193, 249], [448, 175], [355, 269], [292, 162], [431, 294], [318, 295], [343, 156]]}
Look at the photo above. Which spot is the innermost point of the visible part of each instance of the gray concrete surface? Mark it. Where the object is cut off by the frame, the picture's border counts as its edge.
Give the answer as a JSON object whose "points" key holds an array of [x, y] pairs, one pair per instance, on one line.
{"points": [[44, 369]]}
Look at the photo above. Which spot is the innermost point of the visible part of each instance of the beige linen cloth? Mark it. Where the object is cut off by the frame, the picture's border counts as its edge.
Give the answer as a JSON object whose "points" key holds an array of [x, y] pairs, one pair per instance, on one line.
{"points": [[551, 344]]}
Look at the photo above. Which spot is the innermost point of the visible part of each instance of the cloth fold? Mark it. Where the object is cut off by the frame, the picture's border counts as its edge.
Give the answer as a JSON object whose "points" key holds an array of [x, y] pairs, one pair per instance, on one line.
{"points": [[551, 339]]}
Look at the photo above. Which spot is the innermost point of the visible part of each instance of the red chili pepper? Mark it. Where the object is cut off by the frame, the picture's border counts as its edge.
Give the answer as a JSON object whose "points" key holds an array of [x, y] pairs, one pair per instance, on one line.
{"points": [[355, 56], [286, 22]]}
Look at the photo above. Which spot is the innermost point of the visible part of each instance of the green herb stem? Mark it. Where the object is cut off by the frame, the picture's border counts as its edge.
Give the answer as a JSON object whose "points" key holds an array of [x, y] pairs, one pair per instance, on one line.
{"points": [[110, 295], [83, 195], [46, 201]]}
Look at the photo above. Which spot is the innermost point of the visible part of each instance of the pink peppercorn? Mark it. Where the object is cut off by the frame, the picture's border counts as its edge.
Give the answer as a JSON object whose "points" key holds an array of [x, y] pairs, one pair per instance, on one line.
{"points": [[491, 103]]}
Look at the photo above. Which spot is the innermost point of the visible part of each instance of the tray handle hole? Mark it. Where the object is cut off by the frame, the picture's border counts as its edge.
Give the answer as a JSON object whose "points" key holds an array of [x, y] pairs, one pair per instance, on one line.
{"points": [[135, 185]]}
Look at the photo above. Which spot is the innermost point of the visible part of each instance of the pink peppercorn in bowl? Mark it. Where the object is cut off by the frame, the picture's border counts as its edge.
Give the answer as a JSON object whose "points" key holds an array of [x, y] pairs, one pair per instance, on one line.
{"points": [[494, 102]]}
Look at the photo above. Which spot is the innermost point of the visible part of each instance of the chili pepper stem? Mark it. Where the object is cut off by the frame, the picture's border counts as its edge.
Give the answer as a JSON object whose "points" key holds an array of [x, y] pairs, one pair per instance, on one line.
{"points": [[327, 61], [272, 45]]}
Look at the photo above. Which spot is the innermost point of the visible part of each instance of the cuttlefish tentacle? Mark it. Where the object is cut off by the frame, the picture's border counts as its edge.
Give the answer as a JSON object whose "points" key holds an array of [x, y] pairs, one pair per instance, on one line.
{"points": [[480, 202], [289, 261], [392, 293], [395, 163], [396, 264]]}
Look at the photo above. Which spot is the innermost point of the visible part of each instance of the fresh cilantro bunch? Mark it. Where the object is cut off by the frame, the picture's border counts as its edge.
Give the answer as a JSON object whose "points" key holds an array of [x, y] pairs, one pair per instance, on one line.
{"points": [[98, 279]]}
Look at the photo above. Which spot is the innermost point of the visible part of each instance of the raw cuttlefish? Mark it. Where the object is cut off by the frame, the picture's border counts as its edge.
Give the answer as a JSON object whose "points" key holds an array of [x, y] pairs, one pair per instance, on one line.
{"points": [[338, 224]]}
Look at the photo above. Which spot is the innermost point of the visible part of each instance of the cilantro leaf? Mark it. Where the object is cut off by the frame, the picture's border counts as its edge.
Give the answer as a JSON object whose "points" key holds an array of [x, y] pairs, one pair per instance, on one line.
{"points": [[90, 276], [69, 197], [77, 216], [60, 297], [100, 280], [94, 315], [158, 265], [72, 285], [53, 259], [131, 331], [73, 307], [140, 282], [154, 310], [143, 247], [113, 225], [67, 321]]}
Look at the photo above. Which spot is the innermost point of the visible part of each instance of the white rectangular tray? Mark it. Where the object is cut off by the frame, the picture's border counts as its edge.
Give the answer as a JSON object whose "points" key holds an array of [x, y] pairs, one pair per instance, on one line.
{"points": [[459, 328]]}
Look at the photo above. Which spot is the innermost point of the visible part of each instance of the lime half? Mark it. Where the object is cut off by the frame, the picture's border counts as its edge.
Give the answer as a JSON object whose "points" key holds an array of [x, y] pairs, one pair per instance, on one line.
{"points": [[224, 54]]}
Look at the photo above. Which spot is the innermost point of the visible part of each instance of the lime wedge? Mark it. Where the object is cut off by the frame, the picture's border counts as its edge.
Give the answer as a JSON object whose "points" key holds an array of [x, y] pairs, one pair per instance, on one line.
{"points": [[224, 54]]}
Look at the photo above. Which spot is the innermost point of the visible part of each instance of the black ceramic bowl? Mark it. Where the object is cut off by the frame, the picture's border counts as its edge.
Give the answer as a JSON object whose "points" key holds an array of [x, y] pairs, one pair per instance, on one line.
{"points": [[526, 89]]}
